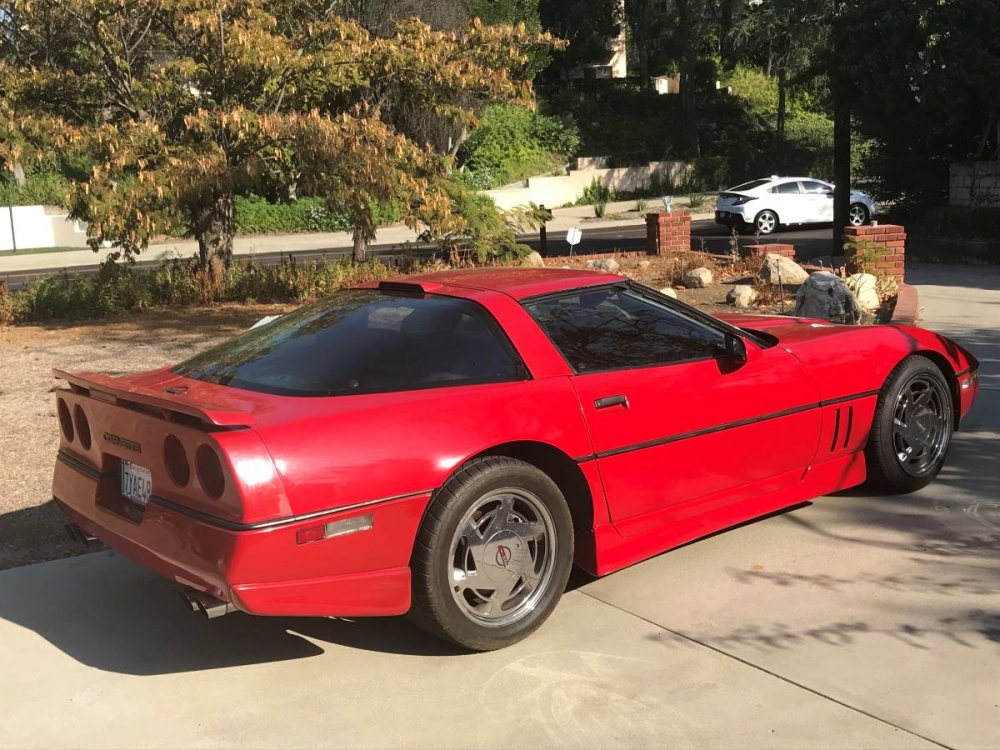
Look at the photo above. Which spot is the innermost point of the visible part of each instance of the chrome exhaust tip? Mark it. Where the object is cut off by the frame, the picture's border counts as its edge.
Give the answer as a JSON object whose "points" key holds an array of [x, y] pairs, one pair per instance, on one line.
{"points": [[77, 534], [209, 606]]}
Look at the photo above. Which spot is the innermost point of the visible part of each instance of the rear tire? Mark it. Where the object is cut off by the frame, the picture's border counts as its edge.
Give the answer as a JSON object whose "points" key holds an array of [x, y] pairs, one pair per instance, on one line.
{"points": [[858, 215], [492, 556], [766, 222], [912, 430]]}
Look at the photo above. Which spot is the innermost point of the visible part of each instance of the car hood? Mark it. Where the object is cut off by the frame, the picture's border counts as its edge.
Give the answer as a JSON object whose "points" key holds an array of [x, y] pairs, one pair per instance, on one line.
{"points": [[844, 361]]}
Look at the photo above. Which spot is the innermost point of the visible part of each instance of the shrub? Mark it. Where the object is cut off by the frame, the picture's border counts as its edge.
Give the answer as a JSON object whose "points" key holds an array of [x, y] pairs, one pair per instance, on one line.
{"points": [[511, 143], [596, 192], [47, 189]]}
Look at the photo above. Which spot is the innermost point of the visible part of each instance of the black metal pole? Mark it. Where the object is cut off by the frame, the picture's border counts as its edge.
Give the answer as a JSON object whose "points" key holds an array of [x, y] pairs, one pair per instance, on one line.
{"points": [[13, 236], [543, 239]]}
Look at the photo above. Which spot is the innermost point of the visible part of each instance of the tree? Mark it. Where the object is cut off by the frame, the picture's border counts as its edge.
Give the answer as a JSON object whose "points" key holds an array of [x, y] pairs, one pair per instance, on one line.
{"points": [[588, 26], [934, 100], [186, 103]]}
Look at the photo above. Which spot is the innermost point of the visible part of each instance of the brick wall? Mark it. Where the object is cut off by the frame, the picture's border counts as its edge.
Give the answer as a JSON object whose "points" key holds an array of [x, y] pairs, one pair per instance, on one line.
{"points": [[759, 251], [667, 233], [889, 242]]}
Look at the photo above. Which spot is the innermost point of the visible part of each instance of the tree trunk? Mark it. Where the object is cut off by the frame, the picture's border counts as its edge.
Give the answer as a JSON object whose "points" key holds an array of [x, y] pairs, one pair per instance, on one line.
{"points": [[360, 246], [17, 169], [782, 85], [216, 226], [687, 21]]}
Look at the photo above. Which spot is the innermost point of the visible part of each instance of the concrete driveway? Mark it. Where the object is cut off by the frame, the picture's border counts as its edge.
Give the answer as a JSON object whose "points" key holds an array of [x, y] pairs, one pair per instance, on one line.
{"points": [[855, 621]]}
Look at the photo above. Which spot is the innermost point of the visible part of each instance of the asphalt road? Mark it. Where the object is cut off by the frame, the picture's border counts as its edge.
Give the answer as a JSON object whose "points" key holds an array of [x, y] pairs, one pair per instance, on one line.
{"points": [[706, 235]]}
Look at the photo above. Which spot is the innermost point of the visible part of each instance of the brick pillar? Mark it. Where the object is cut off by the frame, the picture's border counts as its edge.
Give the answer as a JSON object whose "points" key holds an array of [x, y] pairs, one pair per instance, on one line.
{"points": [[668, 233], [885, 246], [759, 251]]}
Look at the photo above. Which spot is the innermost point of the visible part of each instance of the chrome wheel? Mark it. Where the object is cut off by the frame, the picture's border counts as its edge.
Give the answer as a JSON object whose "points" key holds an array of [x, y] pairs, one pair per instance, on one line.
{"points": [[767, 222], [858, 215], [502, 557], [920, 429]]}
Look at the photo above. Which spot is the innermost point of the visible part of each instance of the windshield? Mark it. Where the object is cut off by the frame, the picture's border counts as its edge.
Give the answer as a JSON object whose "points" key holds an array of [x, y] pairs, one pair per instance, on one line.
{"points": [[364, 341]]}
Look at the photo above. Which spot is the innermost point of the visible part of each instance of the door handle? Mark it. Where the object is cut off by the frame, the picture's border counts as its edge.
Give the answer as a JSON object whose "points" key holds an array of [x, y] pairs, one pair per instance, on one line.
{"points": [[604, 403]]}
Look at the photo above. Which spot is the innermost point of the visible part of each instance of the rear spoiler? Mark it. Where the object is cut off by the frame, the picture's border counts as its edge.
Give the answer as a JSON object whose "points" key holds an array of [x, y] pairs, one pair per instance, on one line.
{"points": [[107, 388]]}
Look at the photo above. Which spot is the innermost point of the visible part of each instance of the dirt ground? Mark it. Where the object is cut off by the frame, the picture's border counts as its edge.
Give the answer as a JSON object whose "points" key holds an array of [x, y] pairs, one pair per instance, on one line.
{"points": [[31, 528]]}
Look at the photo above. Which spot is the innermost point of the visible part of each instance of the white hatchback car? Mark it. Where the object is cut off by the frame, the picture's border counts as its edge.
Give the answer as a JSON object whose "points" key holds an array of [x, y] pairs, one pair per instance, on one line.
{"points": [[762, 205]]}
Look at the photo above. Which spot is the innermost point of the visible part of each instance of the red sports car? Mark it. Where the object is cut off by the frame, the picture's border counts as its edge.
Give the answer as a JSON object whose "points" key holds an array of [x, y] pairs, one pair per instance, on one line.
{"points": [[450, 444]]}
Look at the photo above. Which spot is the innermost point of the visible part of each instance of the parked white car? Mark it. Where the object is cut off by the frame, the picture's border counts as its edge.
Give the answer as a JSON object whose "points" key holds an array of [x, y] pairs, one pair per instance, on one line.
{"points": [[763, 205]]}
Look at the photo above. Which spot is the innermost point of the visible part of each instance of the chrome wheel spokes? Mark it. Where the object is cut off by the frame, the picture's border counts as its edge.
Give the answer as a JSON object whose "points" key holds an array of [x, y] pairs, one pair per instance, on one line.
{"points": [[502, 556], [920, 429], [857, 216]]}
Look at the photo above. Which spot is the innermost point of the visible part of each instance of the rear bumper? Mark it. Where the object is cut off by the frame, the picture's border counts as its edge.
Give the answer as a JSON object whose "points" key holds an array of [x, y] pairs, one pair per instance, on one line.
{"points": [[263, 571]]}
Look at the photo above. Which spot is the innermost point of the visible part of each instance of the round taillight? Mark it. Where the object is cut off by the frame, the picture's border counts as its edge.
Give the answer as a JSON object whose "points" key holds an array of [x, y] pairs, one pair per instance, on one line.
{"points": [[176, 460], [65, 421], [209, 469], [82, 426]]}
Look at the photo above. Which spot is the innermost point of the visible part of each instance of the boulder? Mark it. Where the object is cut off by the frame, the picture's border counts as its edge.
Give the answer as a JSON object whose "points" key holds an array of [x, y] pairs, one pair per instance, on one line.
{"points": [[668, 292], [742, 295], [533, 260], [697, 278], [779, 268], [826, 296], [607, 265], [865, 288]]}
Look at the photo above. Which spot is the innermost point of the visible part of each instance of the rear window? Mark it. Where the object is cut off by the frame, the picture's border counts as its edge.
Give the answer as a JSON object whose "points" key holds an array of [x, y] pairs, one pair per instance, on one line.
{"points": [[364, 341], [753, 184]]}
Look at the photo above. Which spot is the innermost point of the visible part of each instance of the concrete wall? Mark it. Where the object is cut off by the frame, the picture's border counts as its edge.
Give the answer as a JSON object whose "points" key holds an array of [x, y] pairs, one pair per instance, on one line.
{"points": [[975, 184], [33, 227], [553, 192]]}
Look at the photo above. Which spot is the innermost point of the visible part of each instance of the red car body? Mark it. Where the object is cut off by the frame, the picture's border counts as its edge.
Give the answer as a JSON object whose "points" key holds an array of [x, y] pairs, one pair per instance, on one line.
{"points": [[697, 448]]}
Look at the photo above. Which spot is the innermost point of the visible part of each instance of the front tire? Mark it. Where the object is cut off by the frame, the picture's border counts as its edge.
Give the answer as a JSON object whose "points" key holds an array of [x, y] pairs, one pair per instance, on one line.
{"points": [[912, 430], [766, 222], [492, 556]]}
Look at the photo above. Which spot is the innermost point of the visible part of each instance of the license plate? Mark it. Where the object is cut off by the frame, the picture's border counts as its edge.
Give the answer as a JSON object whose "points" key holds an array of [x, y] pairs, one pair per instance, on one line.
{"points": [[137, 483], [722, 214]]}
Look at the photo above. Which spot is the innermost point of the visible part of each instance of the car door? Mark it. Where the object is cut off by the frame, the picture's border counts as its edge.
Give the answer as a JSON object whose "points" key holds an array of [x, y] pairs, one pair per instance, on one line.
{"points": [[818, 202], [789, 202], [674, 424]]}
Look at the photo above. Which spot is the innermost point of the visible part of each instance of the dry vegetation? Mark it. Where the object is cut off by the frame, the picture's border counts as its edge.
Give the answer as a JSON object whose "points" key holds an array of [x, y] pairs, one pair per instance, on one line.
{"points": [[31, 528]]}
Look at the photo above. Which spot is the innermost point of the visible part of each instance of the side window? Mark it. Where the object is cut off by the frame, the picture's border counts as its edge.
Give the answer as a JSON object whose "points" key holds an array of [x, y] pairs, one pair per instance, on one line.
{"points": [[813, 187], [786, 188], [614, 328]]}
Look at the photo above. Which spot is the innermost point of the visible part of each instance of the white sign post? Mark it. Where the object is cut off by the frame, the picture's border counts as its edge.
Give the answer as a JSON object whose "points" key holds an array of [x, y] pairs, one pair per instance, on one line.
{"points": [[573, 237]]}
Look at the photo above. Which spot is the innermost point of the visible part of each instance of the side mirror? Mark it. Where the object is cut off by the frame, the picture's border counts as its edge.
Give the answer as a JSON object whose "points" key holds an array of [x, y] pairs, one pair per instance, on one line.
{"points": [[739, 349]]}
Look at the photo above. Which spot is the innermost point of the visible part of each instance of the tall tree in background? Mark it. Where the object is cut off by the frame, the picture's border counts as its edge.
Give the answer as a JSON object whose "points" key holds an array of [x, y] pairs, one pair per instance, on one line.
{"points": [[933, 100], [588, 26], [185, 103], [789, 39]]}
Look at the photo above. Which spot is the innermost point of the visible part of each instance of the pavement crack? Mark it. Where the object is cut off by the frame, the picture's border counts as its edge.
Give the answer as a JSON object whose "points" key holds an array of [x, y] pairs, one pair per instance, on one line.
{"points": [[765, 670]]}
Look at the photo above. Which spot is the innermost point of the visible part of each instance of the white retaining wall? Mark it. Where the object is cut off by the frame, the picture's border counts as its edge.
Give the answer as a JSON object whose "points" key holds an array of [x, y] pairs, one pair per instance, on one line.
{"points": [[974, 184], [33, 228], [556, 191]]}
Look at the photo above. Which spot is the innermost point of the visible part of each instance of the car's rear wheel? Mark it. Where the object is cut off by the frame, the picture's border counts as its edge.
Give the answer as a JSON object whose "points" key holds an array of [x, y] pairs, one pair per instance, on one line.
{"points": [[766, 222], [858, 215], [492, 555], [912, 429]]}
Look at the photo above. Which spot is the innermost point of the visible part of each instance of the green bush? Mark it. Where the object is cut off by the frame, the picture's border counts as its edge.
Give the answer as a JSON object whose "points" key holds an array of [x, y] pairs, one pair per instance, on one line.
{"points": [[47, 189], [511, 143], [257, 215]]}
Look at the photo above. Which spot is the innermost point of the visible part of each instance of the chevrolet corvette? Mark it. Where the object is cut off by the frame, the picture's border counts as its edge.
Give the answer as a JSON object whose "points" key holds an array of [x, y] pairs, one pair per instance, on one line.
{"points": [[450, 444]]}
